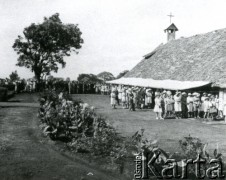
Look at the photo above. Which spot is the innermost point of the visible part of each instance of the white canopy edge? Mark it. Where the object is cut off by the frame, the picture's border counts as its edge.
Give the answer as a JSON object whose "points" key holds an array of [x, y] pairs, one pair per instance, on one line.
{"points": [[159, 84]]}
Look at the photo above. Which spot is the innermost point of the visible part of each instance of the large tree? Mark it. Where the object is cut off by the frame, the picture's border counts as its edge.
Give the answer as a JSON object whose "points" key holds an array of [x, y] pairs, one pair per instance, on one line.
{"points": [[43, 46]]}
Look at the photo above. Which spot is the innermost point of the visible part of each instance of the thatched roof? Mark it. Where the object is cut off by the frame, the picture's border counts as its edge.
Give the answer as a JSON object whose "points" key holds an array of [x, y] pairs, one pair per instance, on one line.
{"points": [[197, 58]]}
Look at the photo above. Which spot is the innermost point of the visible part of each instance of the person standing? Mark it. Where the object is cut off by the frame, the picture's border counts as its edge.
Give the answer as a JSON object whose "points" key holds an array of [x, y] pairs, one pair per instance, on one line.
{"points": [[142, 94], [116, 94], [119, 94], [190, 105], [196, 104], [131, 101], [169, 104], [124, 98], [177, 104], [213, 109], [163, 96], [158, 107], [184, 105], [148, 98], [206, 106], [113, 99], [216, 99]]}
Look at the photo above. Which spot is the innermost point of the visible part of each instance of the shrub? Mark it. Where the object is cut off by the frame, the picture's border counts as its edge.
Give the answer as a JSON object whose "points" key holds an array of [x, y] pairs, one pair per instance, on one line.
{"points": [[77, 124]]}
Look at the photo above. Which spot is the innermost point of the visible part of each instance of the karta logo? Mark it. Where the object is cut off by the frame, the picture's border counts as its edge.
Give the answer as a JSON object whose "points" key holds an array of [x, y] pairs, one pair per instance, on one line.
{"points": [[156, 164]]}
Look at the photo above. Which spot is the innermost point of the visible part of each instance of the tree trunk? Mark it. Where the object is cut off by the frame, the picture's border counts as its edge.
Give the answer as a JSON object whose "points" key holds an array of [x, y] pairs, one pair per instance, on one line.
{"points": [[38, 79]]}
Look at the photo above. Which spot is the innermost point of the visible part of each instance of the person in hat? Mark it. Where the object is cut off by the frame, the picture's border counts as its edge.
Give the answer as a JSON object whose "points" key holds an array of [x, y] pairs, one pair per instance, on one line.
{"points": [[201, 109], [221, 105], [206, 106], [190, 105], [158, 107], [131, 101], [184, 105], [128, 91], [116, 95], [139, 98], [148, 98], [177, 104], [213, 109], [134, 91], [169, 101], [113, 99], [142, 97], [196, 105]]}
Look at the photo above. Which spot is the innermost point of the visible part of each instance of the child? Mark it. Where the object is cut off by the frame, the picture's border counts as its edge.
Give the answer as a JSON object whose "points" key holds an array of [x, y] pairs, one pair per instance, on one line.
{"points": [[158, 107]]}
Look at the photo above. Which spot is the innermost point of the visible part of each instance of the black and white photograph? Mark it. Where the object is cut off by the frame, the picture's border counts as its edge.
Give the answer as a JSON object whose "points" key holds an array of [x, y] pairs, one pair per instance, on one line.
{"points": [[112, 89]]}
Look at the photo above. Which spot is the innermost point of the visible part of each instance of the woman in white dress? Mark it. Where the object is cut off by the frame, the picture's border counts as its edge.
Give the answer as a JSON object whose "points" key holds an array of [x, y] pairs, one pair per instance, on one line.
{"points": [[158, 107], [177, 104], [190, 105]]}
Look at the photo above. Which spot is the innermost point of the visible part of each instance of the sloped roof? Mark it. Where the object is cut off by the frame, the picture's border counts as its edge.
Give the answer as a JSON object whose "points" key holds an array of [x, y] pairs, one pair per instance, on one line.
{"points": [[172, 27], [197, 58]]}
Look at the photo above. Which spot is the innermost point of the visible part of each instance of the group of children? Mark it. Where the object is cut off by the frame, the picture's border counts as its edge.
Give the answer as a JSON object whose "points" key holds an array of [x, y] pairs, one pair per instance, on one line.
{"points": [[166, 104], [131, 98]]}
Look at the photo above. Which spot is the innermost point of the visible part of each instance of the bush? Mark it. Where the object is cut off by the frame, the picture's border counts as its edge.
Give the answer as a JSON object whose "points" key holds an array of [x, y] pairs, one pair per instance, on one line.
{"points": [[77, 124]]}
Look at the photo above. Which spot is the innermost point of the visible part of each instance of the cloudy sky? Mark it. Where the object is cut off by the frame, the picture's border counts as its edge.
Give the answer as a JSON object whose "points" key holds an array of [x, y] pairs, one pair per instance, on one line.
{"points": [[116, 33]]}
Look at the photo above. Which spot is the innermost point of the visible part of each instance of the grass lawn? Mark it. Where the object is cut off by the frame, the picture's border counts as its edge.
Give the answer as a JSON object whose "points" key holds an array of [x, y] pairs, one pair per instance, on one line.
{"points": [[168, 132]]}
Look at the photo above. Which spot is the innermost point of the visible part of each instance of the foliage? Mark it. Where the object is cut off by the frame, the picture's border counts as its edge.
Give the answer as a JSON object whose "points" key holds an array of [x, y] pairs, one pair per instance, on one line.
{"points": [[121, 74], [88, 78], [44, 45], [14, 76], [191, 146], [105, 76], [77, 124]]}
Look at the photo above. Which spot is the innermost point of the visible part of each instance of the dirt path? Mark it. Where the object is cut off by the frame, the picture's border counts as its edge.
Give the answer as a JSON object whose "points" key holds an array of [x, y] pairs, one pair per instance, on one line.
{"points": [[26, 154]]}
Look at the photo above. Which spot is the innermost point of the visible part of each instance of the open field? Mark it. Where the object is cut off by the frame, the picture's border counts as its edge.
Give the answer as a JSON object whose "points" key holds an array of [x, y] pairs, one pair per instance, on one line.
{"points": [[168, 132]]}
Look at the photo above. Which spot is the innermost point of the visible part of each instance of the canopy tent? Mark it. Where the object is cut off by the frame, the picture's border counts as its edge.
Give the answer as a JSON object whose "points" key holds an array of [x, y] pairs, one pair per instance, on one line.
{"points": [[159, 84]]}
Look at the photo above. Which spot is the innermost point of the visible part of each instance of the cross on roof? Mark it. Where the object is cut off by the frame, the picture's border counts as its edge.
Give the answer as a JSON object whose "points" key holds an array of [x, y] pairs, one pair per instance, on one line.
{"points": [[170, 15]]}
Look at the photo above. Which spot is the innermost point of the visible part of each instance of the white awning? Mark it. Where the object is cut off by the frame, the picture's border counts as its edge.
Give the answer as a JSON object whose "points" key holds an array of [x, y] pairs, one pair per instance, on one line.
{"points": [[160, 84]]}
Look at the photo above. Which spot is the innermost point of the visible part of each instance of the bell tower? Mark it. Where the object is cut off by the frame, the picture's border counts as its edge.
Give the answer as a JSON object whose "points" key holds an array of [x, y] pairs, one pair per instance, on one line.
{"points": [[171, 32]]}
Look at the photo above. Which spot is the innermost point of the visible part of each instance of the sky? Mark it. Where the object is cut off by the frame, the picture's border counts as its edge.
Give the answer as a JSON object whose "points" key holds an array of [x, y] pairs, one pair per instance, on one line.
{"points": [[116, 33]]}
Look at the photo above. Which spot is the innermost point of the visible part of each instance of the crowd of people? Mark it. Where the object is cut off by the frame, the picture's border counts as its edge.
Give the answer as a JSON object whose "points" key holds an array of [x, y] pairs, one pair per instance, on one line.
{"points": [[167, 104]]}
